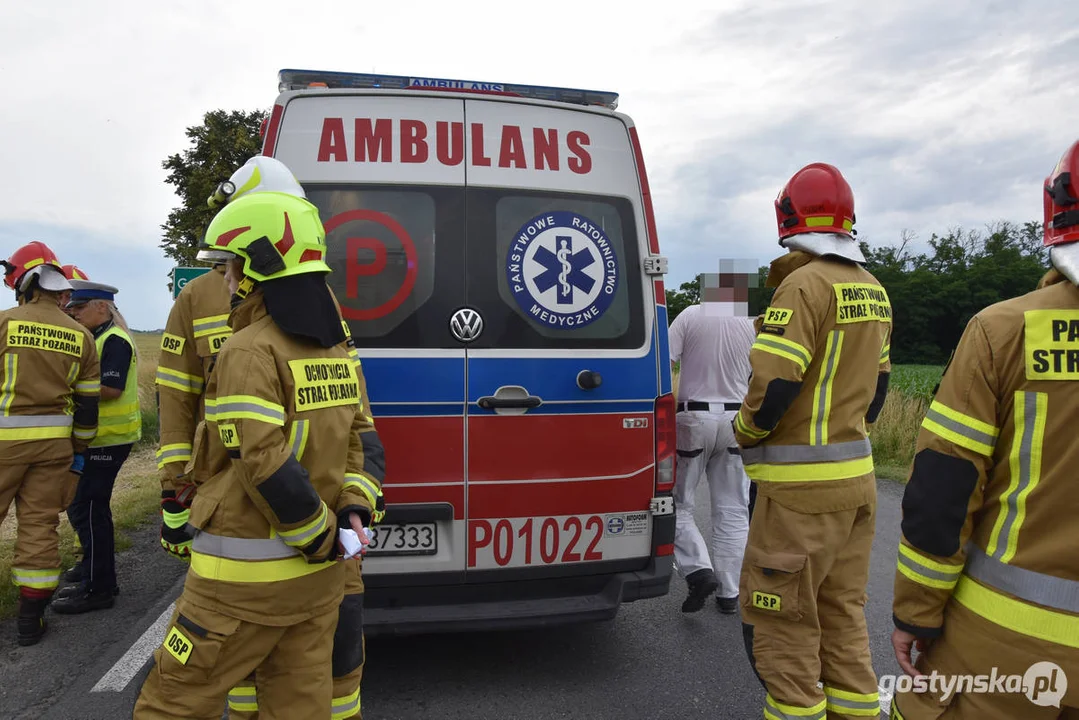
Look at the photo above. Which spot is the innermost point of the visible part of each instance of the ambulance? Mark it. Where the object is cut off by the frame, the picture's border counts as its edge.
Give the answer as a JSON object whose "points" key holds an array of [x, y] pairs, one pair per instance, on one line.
{"points": [[494, 251]]}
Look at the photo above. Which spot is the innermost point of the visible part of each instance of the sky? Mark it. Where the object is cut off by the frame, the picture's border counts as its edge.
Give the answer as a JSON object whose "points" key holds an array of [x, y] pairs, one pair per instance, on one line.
{"points": [[939, 114]]}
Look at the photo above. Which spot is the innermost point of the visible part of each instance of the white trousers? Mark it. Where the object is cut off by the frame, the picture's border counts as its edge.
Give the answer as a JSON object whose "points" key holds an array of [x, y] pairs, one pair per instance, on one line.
{"points": [[705, 441]]}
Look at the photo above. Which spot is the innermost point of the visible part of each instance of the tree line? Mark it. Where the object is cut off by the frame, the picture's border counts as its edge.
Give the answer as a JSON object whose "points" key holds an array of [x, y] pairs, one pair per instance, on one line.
{"points": [[934, 294]]}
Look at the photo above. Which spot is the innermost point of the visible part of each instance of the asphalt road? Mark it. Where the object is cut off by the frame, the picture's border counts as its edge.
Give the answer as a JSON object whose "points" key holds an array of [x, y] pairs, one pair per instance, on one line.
{"points": [[650, 662]]}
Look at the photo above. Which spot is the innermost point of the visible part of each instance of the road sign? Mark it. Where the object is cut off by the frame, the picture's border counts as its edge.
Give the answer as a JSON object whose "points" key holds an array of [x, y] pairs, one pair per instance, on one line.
{"points": [[182, 275]]}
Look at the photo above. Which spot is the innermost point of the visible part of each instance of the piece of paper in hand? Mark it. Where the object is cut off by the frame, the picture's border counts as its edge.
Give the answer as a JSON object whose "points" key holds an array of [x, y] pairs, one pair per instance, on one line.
{"points": [[350, 541]]}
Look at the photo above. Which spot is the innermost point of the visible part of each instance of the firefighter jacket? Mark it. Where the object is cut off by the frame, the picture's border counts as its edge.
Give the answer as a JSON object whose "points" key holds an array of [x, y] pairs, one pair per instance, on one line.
{"points": [[284, 426], [988, 508], [49, 383], [196, 329], [820, 368]]}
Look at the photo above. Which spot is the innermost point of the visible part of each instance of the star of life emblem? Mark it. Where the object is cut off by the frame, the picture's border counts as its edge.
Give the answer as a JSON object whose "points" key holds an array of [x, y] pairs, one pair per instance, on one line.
{"points": [[562, 270]]}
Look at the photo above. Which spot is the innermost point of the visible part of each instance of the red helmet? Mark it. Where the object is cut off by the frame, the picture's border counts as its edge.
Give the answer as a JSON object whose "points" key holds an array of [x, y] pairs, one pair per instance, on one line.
{"points": [[72, 272], [816, 199], [26, 258], [1062, 200]]}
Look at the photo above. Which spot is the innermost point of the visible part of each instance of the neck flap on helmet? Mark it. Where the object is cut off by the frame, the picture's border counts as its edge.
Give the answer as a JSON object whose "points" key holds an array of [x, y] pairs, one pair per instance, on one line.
{"points": [[302, 306], [1065, 258], [825, 244]]}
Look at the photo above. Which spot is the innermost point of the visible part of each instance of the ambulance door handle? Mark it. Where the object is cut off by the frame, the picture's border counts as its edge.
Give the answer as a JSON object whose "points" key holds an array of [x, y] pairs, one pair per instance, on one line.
{"points": [[510, 400], [490, 402]]}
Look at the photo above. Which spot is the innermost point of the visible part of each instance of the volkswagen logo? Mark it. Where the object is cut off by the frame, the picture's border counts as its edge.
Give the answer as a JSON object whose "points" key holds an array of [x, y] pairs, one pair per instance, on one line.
{"points": [[466, 324]]}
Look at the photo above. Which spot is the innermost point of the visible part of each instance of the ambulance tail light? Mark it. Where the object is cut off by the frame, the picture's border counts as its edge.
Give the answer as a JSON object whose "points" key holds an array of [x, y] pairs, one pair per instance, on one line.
{"points": [[291, 79], [666, 442]]}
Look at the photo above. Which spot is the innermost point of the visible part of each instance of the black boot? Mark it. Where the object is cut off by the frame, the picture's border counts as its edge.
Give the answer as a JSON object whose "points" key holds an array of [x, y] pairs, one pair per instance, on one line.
{"points": [[702, 583], [81, 601], [31, 622]]}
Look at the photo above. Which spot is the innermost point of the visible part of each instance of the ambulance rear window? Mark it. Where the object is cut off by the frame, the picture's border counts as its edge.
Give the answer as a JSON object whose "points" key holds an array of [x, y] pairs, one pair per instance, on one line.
{"points": [[393, 280], [554, 270]]}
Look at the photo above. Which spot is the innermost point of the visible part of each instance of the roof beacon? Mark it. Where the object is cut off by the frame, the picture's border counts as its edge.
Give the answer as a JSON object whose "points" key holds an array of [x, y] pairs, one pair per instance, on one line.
{"points": [[305, 79]]}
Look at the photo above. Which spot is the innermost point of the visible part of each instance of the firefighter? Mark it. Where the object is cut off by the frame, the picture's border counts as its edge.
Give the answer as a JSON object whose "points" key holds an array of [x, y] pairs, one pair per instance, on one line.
{"points": [[286, 462], [49, 385], [259, 174], [988, 578], [119, 428], [820, 373], [194, 332]]}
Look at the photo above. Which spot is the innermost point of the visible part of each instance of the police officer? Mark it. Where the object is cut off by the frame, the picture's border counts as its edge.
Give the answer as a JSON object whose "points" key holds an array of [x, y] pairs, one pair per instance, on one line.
{"points": [[711, 341], [988, 577], [259, 174], [286, 465], [71, 272], [820, 372], [119, 428], [49, 386]]}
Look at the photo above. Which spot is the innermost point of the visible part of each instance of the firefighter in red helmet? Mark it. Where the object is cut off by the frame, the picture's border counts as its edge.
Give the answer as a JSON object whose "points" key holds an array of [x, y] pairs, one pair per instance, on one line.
{"points": [[49, 389], [820, 368], [987, 579]]}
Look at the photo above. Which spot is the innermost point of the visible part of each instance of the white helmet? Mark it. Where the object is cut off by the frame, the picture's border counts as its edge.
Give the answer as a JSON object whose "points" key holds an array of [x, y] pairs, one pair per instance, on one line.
{"points": [[259, 174]]}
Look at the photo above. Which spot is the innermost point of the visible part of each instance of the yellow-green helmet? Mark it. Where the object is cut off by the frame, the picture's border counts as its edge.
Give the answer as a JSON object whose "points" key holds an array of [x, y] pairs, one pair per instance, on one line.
{"points": [[277, 234]]}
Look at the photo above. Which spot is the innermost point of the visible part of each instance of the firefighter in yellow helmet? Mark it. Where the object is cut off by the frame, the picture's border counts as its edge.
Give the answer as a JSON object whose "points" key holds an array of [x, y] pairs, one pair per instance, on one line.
{"points": [[49, 388], [259, 174], [287, 480], [820, 373], [987, 581]]}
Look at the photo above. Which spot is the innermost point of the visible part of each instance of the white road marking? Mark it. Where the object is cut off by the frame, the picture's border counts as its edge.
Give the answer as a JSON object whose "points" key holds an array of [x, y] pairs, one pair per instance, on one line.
{"points": [[120, 674]]}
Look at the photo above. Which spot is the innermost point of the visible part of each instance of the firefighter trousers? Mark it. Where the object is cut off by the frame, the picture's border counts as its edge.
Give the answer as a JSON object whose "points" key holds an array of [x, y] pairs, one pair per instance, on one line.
{"points": [[347, 668], [90, 514], [205, 654], [972, 648], [707, 449], [803, 608], [40, 491]]}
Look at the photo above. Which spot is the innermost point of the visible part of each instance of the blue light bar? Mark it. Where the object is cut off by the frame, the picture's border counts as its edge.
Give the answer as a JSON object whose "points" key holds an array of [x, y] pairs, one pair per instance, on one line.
{"points": [[303, 80]]}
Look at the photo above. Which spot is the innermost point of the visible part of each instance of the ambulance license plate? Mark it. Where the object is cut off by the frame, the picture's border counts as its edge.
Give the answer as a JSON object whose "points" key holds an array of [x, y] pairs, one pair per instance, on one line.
{"points": [[411, 539]]}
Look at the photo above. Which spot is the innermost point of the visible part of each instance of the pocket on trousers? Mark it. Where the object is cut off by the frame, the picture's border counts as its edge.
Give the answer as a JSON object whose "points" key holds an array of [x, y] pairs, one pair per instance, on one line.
{"points": [[193, 641], [774, 584]]}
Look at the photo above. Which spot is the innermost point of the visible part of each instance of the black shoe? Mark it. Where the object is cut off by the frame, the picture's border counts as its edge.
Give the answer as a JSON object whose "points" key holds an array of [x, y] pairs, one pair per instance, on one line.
{"points": [[80, 602], [78, 589], [702, 583], [31, 623], [72, 576], [727, 606]]}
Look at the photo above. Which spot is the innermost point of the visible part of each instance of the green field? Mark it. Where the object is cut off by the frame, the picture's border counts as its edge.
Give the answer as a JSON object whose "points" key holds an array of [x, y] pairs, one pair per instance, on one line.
{"points": [[916, 380]]}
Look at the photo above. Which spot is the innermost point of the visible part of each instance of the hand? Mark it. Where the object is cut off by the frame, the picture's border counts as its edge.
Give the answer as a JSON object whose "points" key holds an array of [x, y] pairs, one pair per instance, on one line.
{"points": [[181, 550], [902, 642], [357, 526], [78, 463]]}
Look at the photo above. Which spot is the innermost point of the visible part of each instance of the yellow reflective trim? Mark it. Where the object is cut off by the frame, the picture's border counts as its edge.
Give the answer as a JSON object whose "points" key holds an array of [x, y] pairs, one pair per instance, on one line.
{"points": [[790, 711], [784, 348], [971, 422], [252, 571], [741, 427], [297, 438], [298, 537], [1024, 465], [929, 562], [245, 407], [178, 380], [88, 387], [7, 389], [1049, 625], [369, 489], [244, 698], [210, 325], [822, 394], [346, 706], [927, 572], [36, 578], [810, 472], [847, 224], [820, 221], [173, 453], [853, 704], [45, 433]]}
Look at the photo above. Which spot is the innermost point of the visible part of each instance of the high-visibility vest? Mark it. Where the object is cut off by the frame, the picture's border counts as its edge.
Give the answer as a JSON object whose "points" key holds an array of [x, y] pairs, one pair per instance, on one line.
{"points": [[119, 421]]}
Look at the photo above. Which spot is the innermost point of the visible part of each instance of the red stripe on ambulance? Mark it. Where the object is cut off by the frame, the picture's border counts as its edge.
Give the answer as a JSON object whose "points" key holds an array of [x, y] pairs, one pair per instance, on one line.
{"points": [[372, 140]]}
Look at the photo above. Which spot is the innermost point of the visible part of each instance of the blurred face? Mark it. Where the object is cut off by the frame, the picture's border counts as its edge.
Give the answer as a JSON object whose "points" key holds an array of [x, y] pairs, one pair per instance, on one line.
{"points": [[64, 297], [91, 314]]}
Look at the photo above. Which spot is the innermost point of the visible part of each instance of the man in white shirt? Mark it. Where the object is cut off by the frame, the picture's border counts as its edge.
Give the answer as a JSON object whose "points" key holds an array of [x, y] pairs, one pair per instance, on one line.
{"points": [[711, 341]]}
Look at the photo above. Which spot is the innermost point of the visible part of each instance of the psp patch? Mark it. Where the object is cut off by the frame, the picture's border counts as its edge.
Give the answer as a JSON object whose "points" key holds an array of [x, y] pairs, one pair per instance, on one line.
{"points": [[562, 270]]}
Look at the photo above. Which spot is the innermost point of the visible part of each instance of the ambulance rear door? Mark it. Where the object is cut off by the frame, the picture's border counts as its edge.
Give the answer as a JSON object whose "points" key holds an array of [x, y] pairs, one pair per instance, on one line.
{"points": [[392, 202], [562, 371]]}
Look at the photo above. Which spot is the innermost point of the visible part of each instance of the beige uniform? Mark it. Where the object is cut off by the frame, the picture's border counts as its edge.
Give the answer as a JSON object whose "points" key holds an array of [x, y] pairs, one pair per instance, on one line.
{"points": [[820, 367], [49, 392], [284, 423], [988, 567]]}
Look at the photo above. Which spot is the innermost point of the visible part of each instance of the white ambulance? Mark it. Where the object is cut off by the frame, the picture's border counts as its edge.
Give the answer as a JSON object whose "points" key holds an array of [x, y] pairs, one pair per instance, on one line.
{"points": [[495, 254]]}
